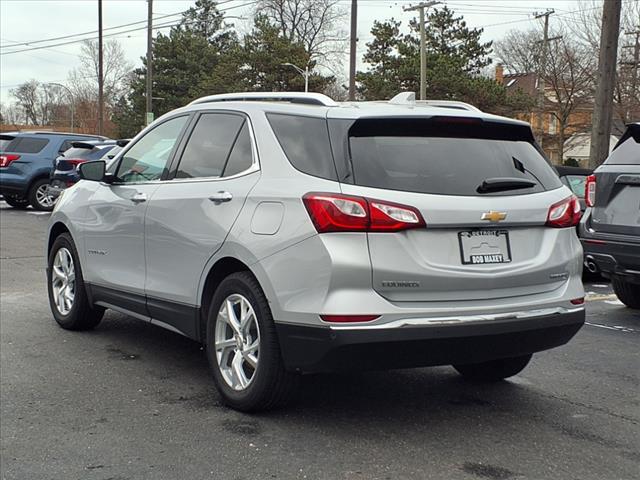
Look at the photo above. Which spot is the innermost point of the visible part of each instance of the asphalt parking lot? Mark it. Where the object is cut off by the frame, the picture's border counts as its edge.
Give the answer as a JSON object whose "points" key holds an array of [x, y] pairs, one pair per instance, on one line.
{"points": [[133, 401]]}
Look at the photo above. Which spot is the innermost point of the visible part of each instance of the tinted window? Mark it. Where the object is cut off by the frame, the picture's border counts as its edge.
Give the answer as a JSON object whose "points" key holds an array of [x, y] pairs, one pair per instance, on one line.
{"points": [[209, 145], [305, 141], [401, 154], [147, 159], [576, 184], [27, 145], [94, 153], [627, 153], [66, 145], [240, 158], [4, 142]]}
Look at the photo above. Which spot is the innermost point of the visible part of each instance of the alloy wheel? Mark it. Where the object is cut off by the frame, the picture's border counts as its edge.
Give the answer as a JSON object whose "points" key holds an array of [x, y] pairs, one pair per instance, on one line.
{"points": [[237, 342], [63, 281], [44, 197]]}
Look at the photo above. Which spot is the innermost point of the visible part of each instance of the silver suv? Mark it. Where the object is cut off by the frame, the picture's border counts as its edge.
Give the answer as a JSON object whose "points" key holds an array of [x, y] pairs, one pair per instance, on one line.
{"points": [[292, 234]]}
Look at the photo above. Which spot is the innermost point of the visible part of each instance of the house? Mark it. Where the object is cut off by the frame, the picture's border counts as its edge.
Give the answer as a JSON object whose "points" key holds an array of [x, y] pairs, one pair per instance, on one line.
{"points": [[545, 124], [578, 145]]}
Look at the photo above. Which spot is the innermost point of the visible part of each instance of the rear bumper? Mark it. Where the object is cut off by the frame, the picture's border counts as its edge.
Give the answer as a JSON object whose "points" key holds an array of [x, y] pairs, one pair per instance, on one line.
{"points": [[322, 348], [614, 258]]}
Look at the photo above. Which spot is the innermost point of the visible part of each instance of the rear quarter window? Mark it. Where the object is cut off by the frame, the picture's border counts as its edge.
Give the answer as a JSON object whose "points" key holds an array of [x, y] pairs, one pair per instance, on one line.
{"points": [[305, 142], [27, 145]]}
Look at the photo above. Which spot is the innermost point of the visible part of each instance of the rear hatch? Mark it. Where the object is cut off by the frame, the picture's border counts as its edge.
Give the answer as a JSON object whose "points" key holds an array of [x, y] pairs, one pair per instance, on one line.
{"points": [[19, 151], [617, 201], [484, 191], [80, 152]]}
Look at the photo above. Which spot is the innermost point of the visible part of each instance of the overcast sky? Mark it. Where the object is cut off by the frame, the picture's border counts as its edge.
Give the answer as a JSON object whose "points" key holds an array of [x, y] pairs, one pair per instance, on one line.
{"points": [[23, 21]]}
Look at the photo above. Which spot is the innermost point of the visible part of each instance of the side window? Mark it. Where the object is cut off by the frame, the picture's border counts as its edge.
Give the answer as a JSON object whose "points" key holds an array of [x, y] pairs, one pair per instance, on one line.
{"points": [[147, 159], [305, 141], [209, 145], [240, 158], [66, 145], [27, 145]]}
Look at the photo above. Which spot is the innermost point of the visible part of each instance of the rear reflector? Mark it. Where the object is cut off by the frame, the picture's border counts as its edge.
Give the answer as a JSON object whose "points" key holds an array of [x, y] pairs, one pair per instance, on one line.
{"points": [[590, 191], [6, 159], [332, 212], [565, 213], [348, 318], [577, 301]]}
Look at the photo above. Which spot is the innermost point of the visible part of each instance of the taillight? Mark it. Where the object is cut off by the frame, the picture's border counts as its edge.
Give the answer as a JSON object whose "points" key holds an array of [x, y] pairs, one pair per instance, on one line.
{"points": [[6, 159], [565, 213], [590, 191], [74, 161], [331, 212]]}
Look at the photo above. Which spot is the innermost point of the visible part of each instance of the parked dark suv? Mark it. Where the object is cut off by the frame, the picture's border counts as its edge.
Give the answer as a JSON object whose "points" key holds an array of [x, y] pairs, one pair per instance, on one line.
{"points": [[610, 229], [26, 162]]}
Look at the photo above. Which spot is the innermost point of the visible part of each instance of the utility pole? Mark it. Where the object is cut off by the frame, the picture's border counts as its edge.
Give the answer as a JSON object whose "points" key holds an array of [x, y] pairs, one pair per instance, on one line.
{"points": [[353, 50], [100, 72], [634, 66], [423, 47], [149, 116], [603, 111], [542, 68]]}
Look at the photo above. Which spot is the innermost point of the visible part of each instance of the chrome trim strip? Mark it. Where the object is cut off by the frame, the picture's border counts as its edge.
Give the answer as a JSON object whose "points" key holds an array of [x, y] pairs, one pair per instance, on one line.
{"points": [[458, 320]]}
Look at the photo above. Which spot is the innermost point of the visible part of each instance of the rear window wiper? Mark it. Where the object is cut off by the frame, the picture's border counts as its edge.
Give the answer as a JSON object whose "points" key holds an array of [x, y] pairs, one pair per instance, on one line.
{"points": [[501, 184]]}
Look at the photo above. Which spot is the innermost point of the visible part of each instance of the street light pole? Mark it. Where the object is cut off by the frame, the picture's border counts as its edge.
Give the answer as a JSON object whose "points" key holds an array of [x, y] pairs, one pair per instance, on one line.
{"points": [[70, 97], [305, 73]]}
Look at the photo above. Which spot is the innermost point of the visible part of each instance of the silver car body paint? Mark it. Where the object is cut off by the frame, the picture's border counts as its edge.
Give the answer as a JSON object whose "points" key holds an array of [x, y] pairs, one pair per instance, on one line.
{"points": [[166, 247]]}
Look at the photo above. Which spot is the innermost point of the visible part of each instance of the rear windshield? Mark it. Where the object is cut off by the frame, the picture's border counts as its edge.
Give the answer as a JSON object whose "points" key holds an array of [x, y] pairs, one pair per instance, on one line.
{"points": [[27, 145], [94, 153], [427, 156], [626, 153]]}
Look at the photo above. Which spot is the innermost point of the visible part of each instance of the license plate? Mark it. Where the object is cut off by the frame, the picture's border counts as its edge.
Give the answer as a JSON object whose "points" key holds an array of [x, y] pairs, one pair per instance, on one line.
{"points": [[478, 247]]}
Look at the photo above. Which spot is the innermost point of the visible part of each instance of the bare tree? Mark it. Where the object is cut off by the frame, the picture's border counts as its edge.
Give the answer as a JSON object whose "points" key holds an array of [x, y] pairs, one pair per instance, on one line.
{"points": [[38, 101], [519, 51], [584, 25], [314, 23], [116, 71], [569, 83]]}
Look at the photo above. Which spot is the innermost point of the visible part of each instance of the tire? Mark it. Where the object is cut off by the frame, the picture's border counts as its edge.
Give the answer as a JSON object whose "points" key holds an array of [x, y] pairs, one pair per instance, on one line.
{"points": [[495, 370], [16, 201], [38, 198], [266, 386], [78, 313], [628, 293]]}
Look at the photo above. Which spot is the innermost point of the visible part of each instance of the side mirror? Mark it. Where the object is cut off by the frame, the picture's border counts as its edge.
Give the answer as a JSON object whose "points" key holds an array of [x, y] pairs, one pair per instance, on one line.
{"points": [[93, 171]]}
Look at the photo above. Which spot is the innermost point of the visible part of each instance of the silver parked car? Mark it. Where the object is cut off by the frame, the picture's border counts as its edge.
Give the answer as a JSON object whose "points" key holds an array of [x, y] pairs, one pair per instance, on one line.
{"points": [[292, 234]]}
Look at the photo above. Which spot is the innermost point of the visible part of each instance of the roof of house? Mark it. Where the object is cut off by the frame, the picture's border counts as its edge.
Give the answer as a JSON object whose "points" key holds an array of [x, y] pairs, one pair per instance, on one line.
{"points": [[527, 82]]}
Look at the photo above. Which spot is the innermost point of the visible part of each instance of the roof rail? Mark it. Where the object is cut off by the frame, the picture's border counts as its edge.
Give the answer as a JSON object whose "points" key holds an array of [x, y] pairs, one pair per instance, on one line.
{"points": [[449, 104], [291, 97], [409, 98]]}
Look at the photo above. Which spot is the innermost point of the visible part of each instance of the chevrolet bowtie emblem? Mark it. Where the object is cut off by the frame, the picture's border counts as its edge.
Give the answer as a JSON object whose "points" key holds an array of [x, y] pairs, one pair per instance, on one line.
{"points": [[494, 216]]}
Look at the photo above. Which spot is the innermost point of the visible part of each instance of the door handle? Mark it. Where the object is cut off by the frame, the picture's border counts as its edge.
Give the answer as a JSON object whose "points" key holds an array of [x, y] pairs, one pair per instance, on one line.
{"points": [[139, 197], [221, 197]]}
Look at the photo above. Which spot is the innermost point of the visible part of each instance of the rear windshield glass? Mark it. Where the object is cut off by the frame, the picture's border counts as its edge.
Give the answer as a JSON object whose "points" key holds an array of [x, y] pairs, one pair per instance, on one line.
{"points": [[27, 145], [627, 153], [4, 142], [415, 155], [576, 184], [94, 153]]}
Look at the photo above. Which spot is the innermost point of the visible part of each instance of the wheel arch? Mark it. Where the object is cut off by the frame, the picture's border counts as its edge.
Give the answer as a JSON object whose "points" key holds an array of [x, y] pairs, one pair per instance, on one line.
{"points": [[55, 231], [219, 271]]}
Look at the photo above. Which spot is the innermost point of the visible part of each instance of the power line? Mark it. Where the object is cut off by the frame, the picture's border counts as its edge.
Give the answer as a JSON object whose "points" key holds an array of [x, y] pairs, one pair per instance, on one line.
{"points": [[110, 28]]}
